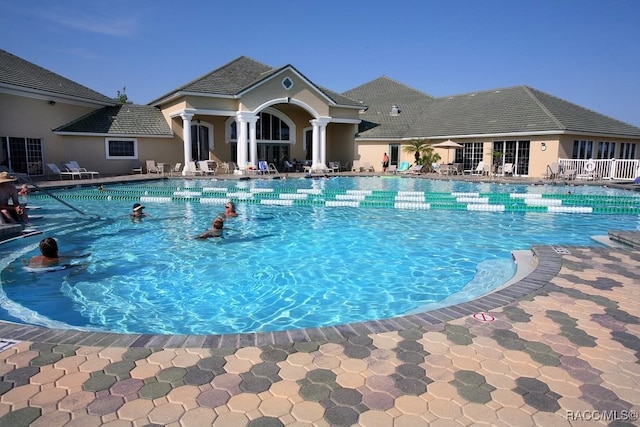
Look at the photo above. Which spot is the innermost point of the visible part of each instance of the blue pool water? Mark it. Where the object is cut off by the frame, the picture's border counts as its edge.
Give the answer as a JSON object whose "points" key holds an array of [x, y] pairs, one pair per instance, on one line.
{"points": [[279, 267]]}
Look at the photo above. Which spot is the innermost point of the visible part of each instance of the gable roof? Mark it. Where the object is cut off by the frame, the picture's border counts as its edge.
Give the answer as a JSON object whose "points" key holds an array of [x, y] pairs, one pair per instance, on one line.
{"points": [[518, 109], [238, 76], [21, 75], [121, 120]]}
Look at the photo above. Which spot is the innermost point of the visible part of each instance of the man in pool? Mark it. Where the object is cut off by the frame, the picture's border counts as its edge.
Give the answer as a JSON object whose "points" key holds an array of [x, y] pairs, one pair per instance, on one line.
{"points": [[215, 231], [50, 257], [14, 212]]}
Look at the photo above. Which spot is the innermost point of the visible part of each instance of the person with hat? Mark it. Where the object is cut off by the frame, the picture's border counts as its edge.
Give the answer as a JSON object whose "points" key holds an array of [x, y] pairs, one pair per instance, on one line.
{"points": [[14, 212], [137, 211]]}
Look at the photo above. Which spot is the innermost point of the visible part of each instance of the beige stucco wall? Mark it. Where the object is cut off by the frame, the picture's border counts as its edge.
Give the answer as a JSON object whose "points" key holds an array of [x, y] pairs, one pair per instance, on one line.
{"points": [[34, 118], [273, 89]]}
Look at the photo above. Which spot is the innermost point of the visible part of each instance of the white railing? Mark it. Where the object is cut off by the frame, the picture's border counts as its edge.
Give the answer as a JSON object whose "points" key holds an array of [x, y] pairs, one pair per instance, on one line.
{"points": [[614, 169]]}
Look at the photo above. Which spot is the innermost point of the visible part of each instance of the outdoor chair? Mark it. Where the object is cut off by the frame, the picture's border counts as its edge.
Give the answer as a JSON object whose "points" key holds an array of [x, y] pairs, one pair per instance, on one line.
{"points": [[73, 166], [63, 174]]}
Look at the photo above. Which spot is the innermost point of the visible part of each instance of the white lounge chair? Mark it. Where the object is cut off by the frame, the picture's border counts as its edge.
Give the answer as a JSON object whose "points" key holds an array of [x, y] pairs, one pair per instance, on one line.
{"points": [[177, 169], [392, 169], [479, 170], [151, 167], [205, 169], [73, 166], [507, 169], [192, 169], [63, 174], [367, 167], [356, 166]]}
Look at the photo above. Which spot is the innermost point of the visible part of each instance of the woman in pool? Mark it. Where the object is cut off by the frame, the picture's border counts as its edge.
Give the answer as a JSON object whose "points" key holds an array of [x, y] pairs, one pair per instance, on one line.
{"points": [[50, 257], [138, 211], [229, 210]]}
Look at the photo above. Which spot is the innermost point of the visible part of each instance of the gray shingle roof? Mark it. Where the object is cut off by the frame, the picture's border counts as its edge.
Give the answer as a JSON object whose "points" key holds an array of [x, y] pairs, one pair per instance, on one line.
{"points": [[507, 110], [239, 75], [378, 97], [17, 72], [127, 119]]}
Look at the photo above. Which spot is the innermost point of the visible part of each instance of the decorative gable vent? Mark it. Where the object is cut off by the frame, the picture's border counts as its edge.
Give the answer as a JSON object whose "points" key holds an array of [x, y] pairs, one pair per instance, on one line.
{"points": [[395, 110]]}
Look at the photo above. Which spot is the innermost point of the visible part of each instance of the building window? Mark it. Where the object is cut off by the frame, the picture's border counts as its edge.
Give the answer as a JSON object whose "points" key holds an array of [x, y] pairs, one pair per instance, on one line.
{"points": [[121, 148], [270, 126], [628, 151], [22, 155], [582, 149], [606, 150]]}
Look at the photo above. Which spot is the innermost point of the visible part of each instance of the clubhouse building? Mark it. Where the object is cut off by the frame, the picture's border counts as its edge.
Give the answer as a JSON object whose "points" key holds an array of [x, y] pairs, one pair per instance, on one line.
{"points": [[245, 112]]}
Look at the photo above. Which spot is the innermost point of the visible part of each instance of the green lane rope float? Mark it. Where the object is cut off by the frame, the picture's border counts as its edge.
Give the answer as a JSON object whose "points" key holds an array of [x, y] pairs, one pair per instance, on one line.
{"points": [[416, 200]]}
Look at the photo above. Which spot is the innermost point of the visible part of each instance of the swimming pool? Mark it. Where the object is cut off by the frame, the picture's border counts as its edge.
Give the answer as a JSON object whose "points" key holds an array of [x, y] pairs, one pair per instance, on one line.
{"points": [[300, 254]]}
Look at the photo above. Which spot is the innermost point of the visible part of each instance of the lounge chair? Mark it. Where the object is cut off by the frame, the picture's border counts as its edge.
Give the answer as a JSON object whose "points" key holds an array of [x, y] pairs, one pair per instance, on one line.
{"points": [[392, 169], [334, 167], [356, 166], [151, 167], [507, 169], [479, 170], [552, 171], [404, 166], [568, 173], [136, 167], [416, 170], [177, 169], [367, 167], [289, 167], [192, 169], [63, 174], [73, 166], [205, 169]]}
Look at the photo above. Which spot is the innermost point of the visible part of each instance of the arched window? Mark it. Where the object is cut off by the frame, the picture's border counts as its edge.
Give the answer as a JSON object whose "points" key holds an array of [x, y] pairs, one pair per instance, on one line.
{"points": [[271, 126]]}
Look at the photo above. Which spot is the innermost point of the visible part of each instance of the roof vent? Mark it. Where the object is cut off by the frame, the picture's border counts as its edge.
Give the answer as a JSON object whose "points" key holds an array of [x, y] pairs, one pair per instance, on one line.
{"points": [[395, 110]]}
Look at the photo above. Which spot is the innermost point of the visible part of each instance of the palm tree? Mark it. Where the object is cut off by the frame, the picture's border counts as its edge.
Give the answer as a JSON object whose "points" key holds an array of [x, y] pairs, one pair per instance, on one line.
{"points": [[416, 147]]}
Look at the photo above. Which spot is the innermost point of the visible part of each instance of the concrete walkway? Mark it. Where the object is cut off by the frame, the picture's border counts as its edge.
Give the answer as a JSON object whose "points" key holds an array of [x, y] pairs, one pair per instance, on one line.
{"points": [[560, 347]]}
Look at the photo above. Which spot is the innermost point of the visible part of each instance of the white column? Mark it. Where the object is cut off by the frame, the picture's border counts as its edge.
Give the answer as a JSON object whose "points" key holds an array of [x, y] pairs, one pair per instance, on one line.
{"points": [[319, 142], [242, 118], [253, 143], [186, 138], [241, 146]]}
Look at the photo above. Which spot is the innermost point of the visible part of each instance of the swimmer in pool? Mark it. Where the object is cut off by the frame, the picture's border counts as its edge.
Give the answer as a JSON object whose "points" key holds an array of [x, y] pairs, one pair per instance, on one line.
{"points": [[229, 210], [50, 256], [137, 212], [215, 231]]}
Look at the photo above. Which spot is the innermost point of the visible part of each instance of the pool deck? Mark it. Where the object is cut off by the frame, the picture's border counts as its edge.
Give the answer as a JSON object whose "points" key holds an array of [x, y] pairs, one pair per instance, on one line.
{"points": [[560, 347]]}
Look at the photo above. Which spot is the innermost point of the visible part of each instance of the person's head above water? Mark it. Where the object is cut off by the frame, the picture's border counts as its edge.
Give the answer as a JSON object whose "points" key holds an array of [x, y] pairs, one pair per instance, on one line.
{"points": [[49, 247]]}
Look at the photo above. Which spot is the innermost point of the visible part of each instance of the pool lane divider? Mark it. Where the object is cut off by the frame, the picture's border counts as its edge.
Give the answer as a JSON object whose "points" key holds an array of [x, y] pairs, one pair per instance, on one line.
{"points": [[458, 201]]}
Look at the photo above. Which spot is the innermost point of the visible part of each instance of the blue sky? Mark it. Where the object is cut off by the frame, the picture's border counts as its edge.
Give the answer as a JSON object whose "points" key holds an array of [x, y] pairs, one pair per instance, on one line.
{"points": [[584, 51]]}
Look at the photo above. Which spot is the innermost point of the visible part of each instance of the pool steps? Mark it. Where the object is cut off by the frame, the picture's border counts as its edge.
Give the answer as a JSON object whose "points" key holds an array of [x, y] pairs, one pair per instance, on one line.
{"points": [[470, 201]]}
